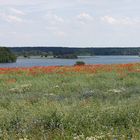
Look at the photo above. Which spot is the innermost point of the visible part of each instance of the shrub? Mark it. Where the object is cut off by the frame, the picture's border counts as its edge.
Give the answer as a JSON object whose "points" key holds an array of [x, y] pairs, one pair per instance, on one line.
{"points": [[79, 63], [26, 56]]}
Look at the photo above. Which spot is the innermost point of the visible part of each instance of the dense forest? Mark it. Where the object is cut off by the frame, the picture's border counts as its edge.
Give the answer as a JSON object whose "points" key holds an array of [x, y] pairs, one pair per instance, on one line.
{"points": [[62, 51], [6, 55]]}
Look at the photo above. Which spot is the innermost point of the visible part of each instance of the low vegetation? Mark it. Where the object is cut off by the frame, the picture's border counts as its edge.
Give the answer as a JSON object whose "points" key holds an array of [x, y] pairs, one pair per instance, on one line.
{"points": [[80, 63], [89, 102]]}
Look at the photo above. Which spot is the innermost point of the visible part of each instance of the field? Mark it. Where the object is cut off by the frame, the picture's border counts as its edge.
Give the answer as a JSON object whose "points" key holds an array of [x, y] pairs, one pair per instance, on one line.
{"points": [[91, 102]]}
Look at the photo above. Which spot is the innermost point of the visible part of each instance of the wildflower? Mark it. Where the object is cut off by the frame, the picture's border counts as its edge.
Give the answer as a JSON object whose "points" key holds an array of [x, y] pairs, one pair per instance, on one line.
{"points": [[21, 88], [116, 90], [56, 86], [79, 137], [91, 138], [23, 139]]}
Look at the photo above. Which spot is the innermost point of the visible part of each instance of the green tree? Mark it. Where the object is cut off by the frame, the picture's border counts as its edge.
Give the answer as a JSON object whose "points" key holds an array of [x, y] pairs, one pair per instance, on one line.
{"points": [[6, 56]]}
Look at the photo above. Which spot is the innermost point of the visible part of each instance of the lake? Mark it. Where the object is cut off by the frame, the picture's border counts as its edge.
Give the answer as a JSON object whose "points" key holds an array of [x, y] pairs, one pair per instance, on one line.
{"points": [[21, 62]]}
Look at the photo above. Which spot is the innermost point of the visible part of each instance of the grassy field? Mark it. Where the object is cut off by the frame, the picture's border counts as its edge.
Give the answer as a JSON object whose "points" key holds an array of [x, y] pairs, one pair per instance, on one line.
{"points": [[91, 102]]}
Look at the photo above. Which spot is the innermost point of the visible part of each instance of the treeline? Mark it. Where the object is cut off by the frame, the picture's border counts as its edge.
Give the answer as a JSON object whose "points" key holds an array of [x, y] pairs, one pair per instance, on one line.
{"points": [[62, 51], [6, 56]]}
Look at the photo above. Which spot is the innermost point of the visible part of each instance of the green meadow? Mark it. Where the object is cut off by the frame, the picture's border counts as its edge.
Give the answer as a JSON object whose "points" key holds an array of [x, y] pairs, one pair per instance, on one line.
{"points": [[71, 106]]}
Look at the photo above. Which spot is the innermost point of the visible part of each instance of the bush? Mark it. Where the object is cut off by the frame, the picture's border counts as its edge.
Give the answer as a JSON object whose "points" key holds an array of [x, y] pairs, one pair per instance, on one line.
{"points": [[79, 63], [26, 56], [6, 55]]}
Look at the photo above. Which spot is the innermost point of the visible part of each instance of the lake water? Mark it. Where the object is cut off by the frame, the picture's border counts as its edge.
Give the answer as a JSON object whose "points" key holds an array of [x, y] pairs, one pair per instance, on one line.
{"points": [[87, 59]]}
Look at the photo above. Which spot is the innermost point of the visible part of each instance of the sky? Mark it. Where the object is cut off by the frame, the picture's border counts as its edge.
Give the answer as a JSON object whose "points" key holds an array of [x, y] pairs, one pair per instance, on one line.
{"points": [[70, 23]]}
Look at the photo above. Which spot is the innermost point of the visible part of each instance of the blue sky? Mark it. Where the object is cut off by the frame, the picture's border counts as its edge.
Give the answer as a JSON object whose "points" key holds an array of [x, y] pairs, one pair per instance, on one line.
{"points": [[78, 23]]}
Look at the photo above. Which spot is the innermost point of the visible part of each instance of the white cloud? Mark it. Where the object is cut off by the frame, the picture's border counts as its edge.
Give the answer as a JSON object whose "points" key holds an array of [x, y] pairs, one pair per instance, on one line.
{"points": [[10, 14], [121, 21], [53, 19], [84, 17], [17, 11], [109, 19], [10, 18]]}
